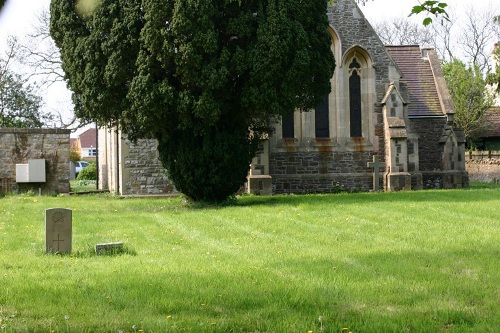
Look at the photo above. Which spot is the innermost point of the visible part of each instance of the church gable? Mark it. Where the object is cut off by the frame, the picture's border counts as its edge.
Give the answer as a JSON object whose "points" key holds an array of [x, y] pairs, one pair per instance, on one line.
{"points": [[394, 102], [353, 30]]}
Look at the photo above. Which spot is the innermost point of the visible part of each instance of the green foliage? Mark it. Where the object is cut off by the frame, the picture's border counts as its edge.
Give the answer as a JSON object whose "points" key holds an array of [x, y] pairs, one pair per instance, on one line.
{"points": [[74, 154], [19, 104], [493, 78], [165, 69], [82, 185], [88, 173], [433, 7], [208, 167], [470, 99]]}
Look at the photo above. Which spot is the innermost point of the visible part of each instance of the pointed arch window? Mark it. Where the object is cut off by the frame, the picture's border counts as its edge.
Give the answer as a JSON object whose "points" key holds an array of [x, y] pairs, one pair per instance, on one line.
{"points": [[355, 98]]}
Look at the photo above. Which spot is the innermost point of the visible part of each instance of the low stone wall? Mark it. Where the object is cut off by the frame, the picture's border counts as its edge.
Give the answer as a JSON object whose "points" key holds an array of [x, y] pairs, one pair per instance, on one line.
{"points": [[485, 170], [18, 145]]}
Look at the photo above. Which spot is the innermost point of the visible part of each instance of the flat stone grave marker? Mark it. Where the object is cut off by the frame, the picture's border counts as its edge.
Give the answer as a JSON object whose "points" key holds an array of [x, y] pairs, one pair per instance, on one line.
{"points": [[58, 229], [109, 248]]}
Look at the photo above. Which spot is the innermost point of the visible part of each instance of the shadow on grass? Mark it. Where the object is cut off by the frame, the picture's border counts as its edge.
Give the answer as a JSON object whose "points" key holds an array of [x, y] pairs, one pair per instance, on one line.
{"points": [[90, 252], [477, 193]]}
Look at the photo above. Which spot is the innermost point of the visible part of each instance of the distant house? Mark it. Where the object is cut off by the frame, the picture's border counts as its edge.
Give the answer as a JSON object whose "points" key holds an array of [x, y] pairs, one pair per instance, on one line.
{"points": [[490, 140], [86, 144]]}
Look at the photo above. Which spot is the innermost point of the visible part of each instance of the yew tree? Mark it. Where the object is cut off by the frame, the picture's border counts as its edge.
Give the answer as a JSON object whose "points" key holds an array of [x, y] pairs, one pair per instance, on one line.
{"points": [[206, 78]]}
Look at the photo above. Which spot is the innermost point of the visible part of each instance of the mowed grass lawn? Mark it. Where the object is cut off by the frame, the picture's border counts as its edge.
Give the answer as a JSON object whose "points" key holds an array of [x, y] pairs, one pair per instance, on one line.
{"points": [[426, 261]]}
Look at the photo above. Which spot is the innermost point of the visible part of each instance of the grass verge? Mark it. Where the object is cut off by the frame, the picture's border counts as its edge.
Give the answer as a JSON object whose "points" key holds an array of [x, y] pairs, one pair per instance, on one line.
{"points": [[422, 261]]}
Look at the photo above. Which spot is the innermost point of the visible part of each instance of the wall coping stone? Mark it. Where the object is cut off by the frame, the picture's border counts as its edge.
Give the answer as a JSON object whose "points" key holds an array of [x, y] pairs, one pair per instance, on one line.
{"points": [[35, 130]]}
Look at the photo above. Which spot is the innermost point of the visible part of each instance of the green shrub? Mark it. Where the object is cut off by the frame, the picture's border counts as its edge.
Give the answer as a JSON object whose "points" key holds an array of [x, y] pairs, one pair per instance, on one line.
{"points": [[74, 154], [88, 173], [208, 167]]}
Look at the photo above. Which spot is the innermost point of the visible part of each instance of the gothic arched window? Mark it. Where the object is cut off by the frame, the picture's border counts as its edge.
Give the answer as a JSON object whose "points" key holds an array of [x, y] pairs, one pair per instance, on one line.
{"points": [[355, 98]]}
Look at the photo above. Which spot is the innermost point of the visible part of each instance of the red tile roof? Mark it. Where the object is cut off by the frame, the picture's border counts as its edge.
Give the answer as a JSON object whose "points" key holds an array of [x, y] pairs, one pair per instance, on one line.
{"points": [[417, 74], [73, 142], [88, 138], [493, 118]]}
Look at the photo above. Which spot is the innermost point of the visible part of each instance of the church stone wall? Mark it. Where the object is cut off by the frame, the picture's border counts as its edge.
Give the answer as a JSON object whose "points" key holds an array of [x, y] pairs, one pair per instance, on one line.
{"points": [[431, 153], [308, 166], [18, 145], [429, 149], [320, 172], [143, 171]]}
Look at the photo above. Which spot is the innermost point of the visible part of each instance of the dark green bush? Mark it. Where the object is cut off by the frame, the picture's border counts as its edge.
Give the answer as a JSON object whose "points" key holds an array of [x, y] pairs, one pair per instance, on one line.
{"points": [[210, 167], [88, 173]]}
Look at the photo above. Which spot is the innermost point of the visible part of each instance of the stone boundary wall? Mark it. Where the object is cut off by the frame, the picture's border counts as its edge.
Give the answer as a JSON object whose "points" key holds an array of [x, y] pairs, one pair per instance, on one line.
{"points": [[485, 170], [18, 145]]}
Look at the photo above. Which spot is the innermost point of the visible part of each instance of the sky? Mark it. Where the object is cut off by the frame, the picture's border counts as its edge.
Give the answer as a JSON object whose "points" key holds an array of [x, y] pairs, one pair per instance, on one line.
{"points": [[18, 16]]}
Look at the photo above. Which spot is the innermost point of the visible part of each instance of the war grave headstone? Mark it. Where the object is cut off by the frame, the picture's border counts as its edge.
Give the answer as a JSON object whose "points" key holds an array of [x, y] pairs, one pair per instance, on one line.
{"points": [[58, 230]]}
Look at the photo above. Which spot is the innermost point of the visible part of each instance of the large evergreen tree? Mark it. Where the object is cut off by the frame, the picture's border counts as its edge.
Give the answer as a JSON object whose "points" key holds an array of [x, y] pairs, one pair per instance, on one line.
{"points": [[204, 77]]}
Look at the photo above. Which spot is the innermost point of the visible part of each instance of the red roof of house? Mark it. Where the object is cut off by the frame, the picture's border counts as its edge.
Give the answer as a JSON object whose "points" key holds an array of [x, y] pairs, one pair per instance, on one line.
{"points": [[88, 138], [493, 118], [418, 75], [73, 142]]}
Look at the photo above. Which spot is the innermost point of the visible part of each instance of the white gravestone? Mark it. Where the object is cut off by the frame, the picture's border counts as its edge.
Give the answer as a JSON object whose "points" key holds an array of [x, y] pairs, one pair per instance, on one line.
{"points": [[58, 228]]}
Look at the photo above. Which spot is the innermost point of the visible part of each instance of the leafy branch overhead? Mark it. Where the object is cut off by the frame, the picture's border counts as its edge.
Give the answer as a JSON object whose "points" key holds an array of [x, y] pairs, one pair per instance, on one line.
{"points": [[433, 7], [436, 8]]}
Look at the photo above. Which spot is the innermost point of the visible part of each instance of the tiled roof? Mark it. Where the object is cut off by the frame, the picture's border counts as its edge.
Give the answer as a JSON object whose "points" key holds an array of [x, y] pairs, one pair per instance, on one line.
{"points": [[493, 118], [88, 138], [417, 74], [73, 142]]}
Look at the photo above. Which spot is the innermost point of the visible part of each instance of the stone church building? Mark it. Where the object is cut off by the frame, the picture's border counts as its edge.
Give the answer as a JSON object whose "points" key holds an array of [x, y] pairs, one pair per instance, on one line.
{"points": [[386, 125]]}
